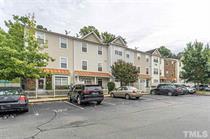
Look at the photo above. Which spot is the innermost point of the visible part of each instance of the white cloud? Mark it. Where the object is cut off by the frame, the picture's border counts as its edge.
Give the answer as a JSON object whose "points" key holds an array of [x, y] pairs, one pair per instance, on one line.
{"points": [[145, 24]]}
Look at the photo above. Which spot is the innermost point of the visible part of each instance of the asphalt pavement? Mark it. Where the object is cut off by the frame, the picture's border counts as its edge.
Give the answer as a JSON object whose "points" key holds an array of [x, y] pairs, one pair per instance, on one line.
{"points": [[151, 117]]}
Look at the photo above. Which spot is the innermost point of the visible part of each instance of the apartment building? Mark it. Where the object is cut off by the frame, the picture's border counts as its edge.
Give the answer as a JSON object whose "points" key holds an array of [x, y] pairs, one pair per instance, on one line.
{"points": [[171, 68], [88, 60], [157, 67], [142, 61]]}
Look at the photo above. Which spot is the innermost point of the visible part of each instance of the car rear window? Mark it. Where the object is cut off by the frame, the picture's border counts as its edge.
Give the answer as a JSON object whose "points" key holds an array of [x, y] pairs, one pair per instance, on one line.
{"points": [[9, 92], [93, 88], [131, 88]]}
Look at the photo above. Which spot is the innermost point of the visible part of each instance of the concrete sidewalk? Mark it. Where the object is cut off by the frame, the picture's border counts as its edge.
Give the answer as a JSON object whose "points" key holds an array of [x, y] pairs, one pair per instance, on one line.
{"points": [[49, 99]]}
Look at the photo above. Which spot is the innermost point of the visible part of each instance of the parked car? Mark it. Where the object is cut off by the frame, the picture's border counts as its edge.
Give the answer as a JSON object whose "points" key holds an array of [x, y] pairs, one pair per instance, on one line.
{"points": [[207, 88], [183, 87], [86, 93], [200, 87], [126, 92], [167, 89], [13, 99], [191, 90]]}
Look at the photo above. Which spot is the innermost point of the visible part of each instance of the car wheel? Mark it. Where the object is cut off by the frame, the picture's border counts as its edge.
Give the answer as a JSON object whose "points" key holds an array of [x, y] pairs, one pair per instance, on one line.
{"points": [[112, 95], [99, 102], [170, 94], [153, 92], [26, 110], [137, 97], [79, 100], [127, 96]]}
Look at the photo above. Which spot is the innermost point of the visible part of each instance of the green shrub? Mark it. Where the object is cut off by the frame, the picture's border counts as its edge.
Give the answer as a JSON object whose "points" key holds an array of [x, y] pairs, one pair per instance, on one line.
{"points": [[111, 86]]}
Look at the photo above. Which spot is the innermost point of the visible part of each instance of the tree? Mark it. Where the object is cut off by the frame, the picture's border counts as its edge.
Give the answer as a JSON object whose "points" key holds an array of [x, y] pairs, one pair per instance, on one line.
{"points": [[124, 72], [41, 27], [20, 55], [87, 29], [195, 61], [165, 52], [107, 37]]}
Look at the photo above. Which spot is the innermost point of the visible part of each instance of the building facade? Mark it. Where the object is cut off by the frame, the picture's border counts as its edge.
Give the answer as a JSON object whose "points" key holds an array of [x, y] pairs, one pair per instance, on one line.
{"points": [[88, 60]]}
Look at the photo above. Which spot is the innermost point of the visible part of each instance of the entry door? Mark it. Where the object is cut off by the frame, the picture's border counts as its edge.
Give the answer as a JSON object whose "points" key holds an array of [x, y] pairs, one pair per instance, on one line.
{"points": [[100, 83], [41, 83]]}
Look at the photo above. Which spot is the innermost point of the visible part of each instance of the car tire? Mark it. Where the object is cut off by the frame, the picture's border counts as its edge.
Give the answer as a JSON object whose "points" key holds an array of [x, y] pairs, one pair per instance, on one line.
{"points": [[112, 95], [127, 96], [78, 100], [153, 92], [99, 102], [170, 94], [26, 110], [137, 97]]}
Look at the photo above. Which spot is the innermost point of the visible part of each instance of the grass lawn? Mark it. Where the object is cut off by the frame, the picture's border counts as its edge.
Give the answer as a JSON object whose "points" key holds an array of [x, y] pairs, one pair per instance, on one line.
{"points": [[203, 92]]}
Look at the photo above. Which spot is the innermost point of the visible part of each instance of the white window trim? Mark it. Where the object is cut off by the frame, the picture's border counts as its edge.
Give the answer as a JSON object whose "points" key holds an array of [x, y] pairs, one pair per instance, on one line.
{"points": [[81, 65], [101, 50], [81, 47], [67, 65], [67, 45], [62, 76], [44, 36], [101, 66]]}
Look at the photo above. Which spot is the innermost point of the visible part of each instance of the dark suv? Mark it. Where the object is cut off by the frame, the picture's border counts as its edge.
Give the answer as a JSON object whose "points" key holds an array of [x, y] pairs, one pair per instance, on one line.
{"points": [[85, 93], [167, 89]]}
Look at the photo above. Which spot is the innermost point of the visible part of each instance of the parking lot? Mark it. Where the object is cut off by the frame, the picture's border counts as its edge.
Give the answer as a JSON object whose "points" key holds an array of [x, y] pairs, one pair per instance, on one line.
{"points": [[151, 117]]}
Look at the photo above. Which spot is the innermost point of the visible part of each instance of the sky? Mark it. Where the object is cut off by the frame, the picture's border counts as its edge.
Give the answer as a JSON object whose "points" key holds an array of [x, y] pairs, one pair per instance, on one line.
{"points": [[146, 24]]}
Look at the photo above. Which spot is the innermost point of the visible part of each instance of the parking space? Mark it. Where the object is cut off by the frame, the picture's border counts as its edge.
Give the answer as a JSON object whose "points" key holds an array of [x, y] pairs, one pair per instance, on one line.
{"points": [[51, 119]]}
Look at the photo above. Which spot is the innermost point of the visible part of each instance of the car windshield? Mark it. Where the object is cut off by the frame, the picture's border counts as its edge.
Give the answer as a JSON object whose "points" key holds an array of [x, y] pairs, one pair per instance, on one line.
{"points": [[9, 92]]}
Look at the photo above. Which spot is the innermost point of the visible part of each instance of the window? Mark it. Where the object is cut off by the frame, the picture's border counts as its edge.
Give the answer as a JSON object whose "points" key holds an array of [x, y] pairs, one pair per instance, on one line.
{"points": [[147, 59], [99, 66], [147, 70], [127, 55], [155, 60], [139, 57], [155, 71], [63, 42], [84, 47], [160, 72], [60, 81], [40, 37], [155, 81], [84, 65], [100, 50], [139, 69], [63, 62], [118, 52]]}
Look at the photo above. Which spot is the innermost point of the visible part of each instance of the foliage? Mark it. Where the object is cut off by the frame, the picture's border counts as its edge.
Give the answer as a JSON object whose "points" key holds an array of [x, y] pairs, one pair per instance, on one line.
{"points": [[111, 86], [195, 61], [107, 37], [87, 29], [20, 55], [165, 52], [41, 27], [124, 72]]}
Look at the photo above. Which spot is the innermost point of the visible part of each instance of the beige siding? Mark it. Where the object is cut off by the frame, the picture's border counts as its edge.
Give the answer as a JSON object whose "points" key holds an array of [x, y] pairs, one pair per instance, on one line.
{"points": [[142, 63], [91, 56], [56, 52]]}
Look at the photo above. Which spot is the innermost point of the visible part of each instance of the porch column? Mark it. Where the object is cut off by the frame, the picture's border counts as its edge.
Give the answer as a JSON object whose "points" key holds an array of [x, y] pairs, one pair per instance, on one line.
{"points": [[95, 81], [53, 84], [139, 83], [36, 89]]}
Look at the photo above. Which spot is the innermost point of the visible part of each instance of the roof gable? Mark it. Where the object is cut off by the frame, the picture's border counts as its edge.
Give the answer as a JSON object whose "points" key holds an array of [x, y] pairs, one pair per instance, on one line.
{"points": [[154, 52], [92, 37], [119, 41]]}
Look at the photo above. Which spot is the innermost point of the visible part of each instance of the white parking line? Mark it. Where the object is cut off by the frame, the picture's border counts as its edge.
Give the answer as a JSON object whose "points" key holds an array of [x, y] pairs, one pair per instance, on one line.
{"points": [[109, 103], [74, 105], [34, 110]]}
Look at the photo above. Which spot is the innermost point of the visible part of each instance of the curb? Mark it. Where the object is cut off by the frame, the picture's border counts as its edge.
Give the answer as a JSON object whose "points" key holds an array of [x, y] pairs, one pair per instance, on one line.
{"points": [[40, 100]]}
